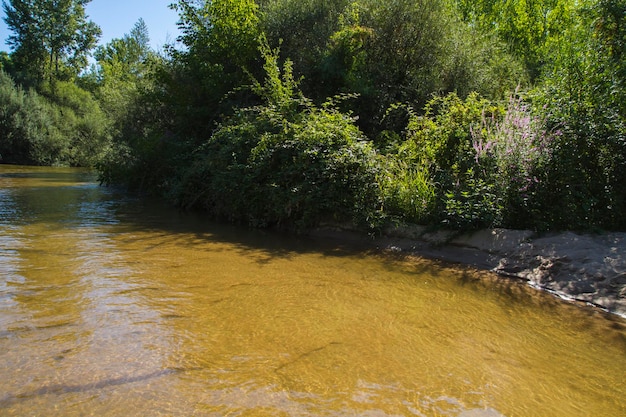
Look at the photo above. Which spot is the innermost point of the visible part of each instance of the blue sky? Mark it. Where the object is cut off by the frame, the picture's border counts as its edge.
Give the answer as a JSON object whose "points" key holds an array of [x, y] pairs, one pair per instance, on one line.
{"points": [[117, 17]]}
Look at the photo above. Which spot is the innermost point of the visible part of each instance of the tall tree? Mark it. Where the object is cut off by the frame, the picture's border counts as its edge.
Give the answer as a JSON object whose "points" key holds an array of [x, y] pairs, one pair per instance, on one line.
{"points": [[122, 72], [125, 58], [220, 39], [51, 38]]}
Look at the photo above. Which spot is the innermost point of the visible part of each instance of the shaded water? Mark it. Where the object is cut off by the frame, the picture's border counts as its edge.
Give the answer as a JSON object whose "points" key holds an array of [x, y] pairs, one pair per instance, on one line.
{"points": [[112, 306]]}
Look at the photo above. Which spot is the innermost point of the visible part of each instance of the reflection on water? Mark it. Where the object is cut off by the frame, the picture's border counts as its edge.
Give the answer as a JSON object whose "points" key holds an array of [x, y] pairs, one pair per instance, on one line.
{"points": [[114, 306]]}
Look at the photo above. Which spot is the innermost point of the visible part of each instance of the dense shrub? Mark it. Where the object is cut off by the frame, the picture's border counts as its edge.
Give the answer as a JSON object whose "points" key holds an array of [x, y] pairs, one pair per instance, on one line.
{"points": [[202, 79], [80, 120], [286, 163], [387, 52], [408, 191], [28, 132], [584, 95], [529, 29], [511, 154], [66, 129], [439, 142], [485, 161]]}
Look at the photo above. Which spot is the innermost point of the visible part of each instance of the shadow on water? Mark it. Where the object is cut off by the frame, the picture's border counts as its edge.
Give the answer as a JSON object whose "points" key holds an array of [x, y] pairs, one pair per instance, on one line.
{"points": [[169, 225], [76, 197], [59, 389]]}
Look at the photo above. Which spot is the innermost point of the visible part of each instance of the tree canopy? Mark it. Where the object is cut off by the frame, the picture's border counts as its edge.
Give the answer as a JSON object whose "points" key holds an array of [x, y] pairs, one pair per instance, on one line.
{"points": [[51, 39]]}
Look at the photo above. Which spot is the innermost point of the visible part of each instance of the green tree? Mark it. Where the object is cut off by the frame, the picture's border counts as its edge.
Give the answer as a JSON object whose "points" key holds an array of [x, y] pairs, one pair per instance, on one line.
{"points": [[220, 40], [405, 51], [127, 87], [123, 66], [529, 27], [69, 130], [387, 52], [126, 58], [6, 63], [303, 28], [51, 38]]}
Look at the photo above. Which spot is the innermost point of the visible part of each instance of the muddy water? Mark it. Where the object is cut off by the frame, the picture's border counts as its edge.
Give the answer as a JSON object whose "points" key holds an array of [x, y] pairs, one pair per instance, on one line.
{"points": [[113, 306]]}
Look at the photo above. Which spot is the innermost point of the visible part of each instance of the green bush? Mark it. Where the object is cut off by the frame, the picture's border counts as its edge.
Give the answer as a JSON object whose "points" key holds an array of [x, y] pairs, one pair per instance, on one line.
{"points": [[584, 95], [441, 137], [486, 160], [440, 142], [512, 153], [472, 204], [64, 127], [286, 163], [408, 190], [81, 120], [28, 132], [387, 52], [282, 153]]}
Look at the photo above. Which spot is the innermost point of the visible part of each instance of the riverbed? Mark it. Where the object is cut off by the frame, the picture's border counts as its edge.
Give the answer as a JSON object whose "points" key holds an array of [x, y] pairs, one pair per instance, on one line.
{"points": [[112, 305]]}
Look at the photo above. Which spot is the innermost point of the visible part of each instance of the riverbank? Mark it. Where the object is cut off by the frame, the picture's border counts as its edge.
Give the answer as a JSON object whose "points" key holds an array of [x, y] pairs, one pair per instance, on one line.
{"points": [[587, 268]]}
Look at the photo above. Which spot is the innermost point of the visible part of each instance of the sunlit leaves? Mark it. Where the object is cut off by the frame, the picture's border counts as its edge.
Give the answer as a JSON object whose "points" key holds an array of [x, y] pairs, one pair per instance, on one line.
{"points": [[49, 38]]}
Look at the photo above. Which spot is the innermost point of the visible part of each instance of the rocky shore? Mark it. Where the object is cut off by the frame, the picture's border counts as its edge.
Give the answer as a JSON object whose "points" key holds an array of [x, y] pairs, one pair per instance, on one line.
{"points": [[583, 267]]}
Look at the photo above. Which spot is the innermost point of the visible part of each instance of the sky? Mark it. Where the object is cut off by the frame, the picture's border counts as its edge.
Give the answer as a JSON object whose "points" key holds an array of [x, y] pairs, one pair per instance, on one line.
{"points": [[117, 17]]}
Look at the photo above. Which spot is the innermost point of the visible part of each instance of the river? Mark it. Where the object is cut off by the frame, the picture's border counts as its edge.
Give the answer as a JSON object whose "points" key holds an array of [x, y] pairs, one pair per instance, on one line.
{"points": [[112, 305]]}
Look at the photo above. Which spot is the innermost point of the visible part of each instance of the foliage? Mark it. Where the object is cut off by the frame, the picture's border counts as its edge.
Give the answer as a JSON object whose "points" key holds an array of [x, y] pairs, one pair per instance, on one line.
{"points": [[125, 59], [408, 190], [440, 143], [484, 158], [124, 67], [583, 94], [529, 28], [27, 134], [57, 122], [36, 130], [367, 111], [80, 120], [345, 57], [511, 152], [472, 204], [51, 39], [176, 104], [441, 137], [6, 63], [303, 28], [285, 163], [144, 150], [220, 40], [387, 52], [129, 84]]}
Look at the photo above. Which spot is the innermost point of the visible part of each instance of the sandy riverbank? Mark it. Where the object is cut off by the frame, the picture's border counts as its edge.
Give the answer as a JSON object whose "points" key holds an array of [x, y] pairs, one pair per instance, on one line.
{"points": [[583, 267]]}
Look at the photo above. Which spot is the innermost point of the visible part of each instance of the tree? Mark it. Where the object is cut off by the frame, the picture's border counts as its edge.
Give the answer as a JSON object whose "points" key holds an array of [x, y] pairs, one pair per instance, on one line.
{"points": [[529, 28], [220, 39], [584, 90], [122, 71], [51, 38], [125, 59]]}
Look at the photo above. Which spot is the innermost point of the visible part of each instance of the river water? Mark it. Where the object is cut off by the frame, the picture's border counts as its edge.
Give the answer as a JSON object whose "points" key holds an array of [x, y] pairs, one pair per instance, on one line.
{"points": [[117, 306]]}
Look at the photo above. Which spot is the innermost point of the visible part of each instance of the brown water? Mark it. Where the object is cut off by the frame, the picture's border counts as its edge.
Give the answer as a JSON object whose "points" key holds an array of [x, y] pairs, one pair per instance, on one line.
{"points": [[113, 306]]}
